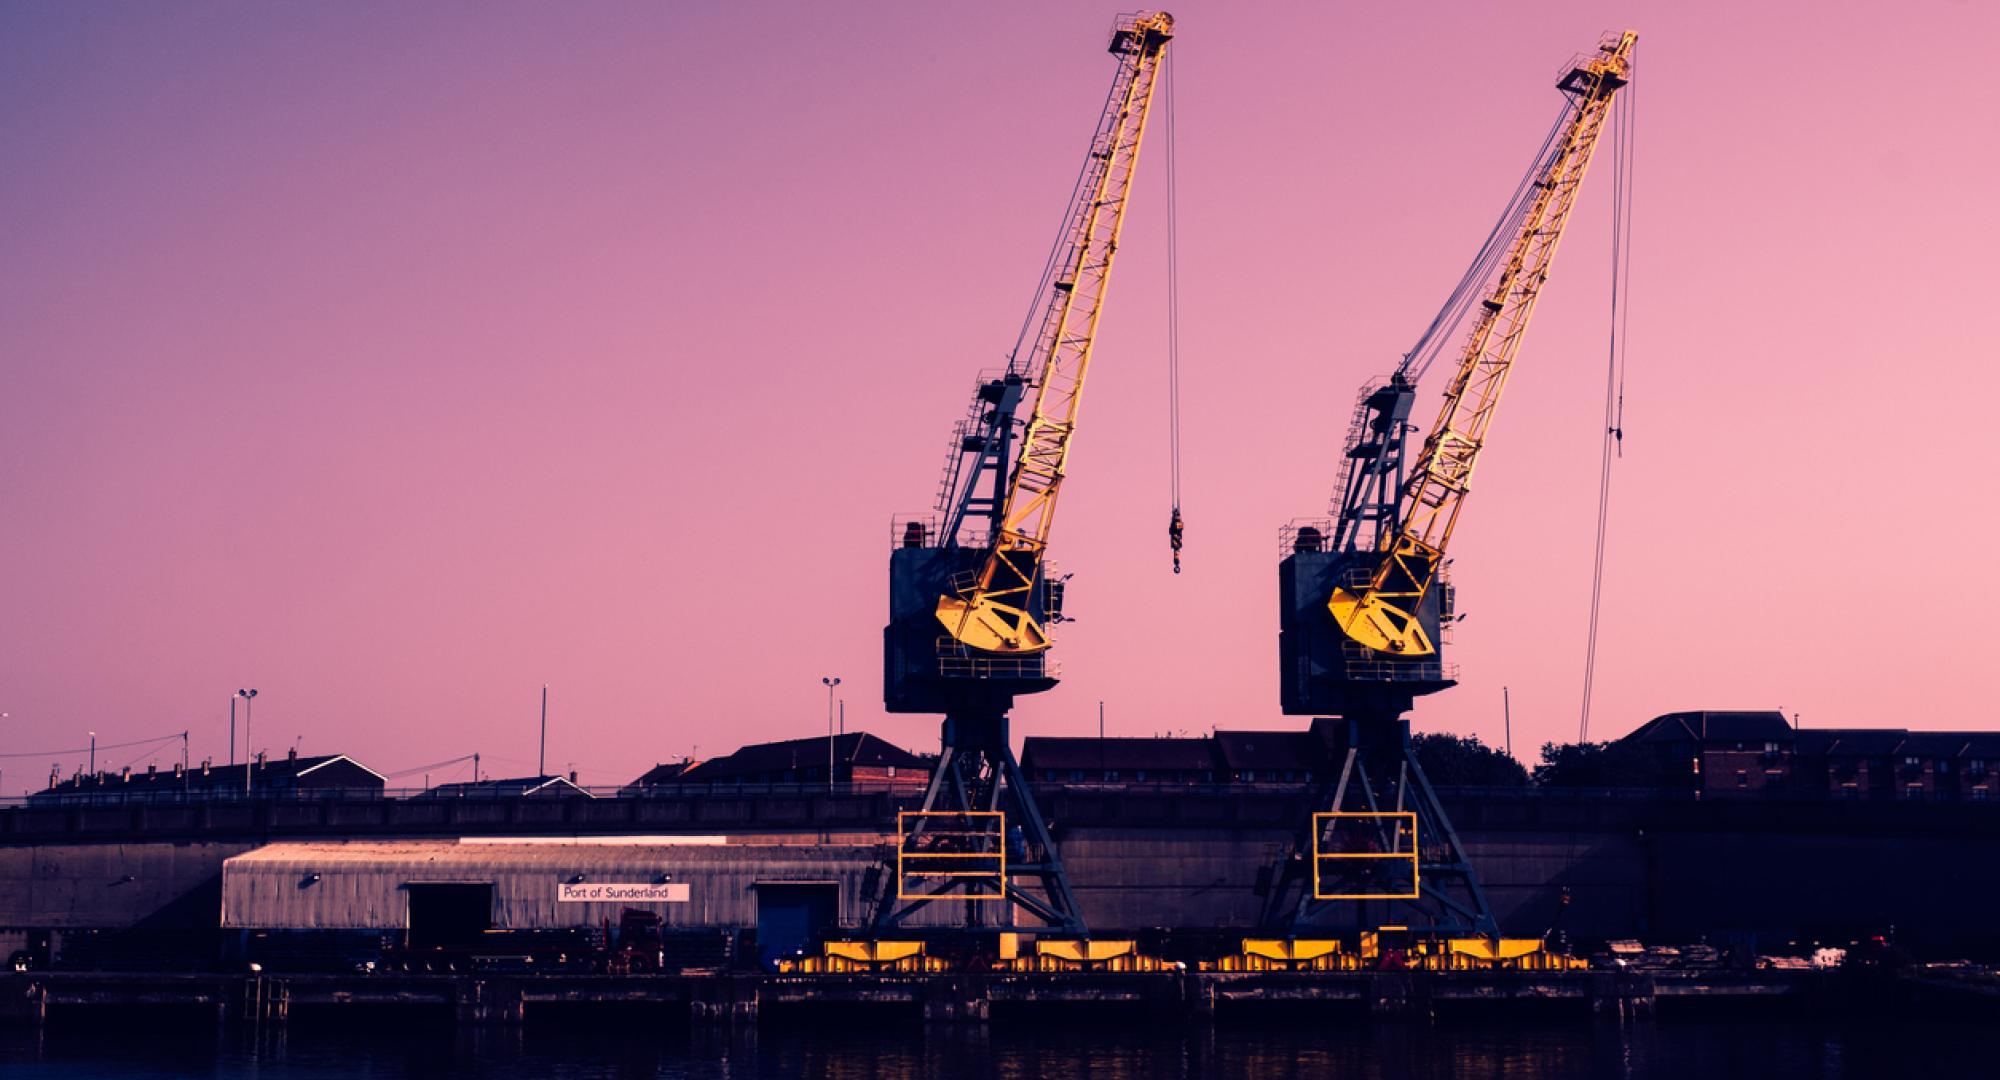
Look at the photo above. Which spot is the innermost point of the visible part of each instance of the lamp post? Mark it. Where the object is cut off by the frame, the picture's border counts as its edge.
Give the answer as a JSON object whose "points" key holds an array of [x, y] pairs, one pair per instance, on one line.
{"points": [[93, 753], [831, 681], [247, 696]]}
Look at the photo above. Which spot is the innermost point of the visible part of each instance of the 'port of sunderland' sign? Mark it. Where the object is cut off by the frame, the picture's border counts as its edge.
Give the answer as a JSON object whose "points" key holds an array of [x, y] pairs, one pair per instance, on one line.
{"points": [[620, 892]]}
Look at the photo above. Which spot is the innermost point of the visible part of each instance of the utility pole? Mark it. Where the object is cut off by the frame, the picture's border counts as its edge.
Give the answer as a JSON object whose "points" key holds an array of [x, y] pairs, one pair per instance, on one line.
{"points": [[245, 695], [831, 681], [843, 716], [1507, 711], [248, 696], [1100, 719], [542, 755], [93, 753]]}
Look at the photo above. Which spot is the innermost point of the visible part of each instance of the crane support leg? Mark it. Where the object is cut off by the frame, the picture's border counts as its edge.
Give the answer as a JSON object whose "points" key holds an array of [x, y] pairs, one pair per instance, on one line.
{"points": [[979, 839], [1377, 848]]}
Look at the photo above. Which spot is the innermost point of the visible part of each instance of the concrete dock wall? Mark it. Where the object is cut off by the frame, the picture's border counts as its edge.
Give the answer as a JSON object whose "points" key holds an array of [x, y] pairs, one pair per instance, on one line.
{"points": [[1661, 869]]}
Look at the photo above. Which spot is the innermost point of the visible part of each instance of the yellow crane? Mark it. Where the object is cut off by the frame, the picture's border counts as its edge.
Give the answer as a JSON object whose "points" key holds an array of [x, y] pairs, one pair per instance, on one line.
{"points": [[1363, 601], [970, 597], [1383, 613], [992, 612]]}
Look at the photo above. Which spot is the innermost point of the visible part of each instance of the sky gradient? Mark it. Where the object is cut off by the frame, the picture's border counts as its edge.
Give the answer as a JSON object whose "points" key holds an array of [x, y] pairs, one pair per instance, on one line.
{"points": [[399, 359]]}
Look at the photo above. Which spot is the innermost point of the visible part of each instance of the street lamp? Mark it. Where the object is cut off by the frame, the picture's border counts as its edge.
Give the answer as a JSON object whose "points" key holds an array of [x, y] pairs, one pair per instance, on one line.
{"points": [[93, 753], [247, 696], [831, 681]]}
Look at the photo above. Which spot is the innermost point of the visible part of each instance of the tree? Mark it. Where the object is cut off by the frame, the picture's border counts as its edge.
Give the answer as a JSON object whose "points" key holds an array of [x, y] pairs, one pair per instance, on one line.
{"points": [[1605, 764], [1464, 761]]}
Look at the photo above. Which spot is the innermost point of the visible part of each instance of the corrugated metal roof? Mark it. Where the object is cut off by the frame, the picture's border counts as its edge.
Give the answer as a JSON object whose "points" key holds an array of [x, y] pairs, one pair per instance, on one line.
{"points": [[385, 854]]}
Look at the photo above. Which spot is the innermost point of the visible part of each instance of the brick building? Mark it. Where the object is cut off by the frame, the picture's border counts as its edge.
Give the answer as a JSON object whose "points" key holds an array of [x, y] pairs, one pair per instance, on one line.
{"points": [[1738, 753]]}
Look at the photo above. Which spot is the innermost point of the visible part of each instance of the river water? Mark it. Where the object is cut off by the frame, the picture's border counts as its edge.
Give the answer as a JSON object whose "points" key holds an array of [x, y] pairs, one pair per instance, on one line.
{"points": [[865, 1048]]}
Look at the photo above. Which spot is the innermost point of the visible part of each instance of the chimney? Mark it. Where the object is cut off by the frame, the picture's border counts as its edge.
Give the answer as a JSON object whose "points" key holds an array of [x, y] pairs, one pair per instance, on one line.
{"points": [[177, 769], [204, 766], [572, 776], [292, 754], [151, 769], [125, 775], [260, 759], [55, 776]]}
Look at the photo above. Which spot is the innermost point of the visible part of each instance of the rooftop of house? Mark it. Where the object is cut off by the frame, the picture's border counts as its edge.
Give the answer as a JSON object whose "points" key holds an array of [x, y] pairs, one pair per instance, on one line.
{"points": [[287, 771], [1716, 726], [510, 787], [856, 748]]}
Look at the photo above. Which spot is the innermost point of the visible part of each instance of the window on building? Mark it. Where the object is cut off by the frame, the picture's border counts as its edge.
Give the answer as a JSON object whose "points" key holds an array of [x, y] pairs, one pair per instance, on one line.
{"points": [[1249, 775], [1742, 778], [1976, 767], [1110, 775], [892, 772], [1913, 761], [1076, 775], [1913, 791], [1139, 775], [1208, 776], [1770, 748], [1979, 794]]}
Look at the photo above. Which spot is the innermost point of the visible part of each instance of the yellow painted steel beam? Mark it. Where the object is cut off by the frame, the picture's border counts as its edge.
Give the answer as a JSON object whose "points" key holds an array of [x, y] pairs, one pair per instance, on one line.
{"points": [[874, 952], [1290, 950], [1085, 950]]}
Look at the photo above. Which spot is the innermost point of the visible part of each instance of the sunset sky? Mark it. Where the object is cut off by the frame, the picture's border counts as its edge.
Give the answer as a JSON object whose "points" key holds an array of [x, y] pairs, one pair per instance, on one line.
{"points": [[399, 359]]}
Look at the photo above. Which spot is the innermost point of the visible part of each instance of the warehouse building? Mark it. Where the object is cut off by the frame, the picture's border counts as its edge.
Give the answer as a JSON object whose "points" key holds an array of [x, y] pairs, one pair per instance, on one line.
{"points": [[784, 893]]}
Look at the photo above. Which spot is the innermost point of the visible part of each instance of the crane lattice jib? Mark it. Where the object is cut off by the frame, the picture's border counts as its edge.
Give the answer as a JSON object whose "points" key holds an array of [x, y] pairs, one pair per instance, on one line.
{"points": [[993, 612], [1382, 613]]}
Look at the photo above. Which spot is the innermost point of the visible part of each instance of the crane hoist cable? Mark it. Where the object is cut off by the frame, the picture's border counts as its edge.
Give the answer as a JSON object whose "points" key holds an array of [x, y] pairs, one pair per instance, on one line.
{"points": [[1418, 360], [1625, 117], [1176, 528]]}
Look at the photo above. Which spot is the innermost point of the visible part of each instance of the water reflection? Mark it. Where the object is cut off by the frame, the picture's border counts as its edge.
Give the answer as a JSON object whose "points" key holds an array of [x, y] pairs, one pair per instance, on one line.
{"points": [[865, 1047]]}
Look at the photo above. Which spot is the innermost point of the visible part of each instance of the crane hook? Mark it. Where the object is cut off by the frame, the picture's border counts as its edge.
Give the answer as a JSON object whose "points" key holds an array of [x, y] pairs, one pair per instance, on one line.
{"points": [[1174, 531]]}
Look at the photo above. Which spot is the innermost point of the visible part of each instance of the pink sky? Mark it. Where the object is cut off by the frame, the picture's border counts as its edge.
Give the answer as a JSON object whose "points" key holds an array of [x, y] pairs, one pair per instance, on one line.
{"points": [[397, 359]]}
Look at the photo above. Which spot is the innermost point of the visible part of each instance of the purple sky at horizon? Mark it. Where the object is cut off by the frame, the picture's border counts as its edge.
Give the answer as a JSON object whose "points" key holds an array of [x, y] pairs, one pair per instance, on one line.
{"points": [[399, 359]]}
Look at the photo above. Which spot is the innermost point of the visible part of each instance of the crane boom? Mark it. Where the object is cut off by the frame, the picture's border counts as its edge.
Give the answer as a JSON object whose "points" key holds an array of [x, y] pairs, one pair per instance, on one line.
{"points": [[992, 611], [1382, 614]]}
